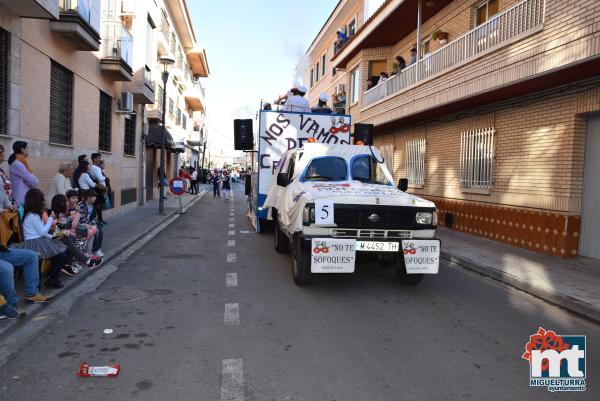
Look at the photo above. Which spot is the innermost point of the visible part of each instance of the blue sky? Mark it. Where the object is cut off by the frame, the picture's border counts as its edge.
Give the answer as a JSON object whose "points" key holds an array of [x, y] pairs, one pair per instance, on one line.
{"points": [[252, 48]]}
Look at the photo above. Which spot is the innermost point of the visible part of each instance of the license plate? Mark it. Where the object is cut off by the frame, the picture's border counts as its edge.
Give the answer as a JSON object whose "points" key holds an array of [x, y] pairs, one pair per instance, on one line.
{"points": [[377, 246]]}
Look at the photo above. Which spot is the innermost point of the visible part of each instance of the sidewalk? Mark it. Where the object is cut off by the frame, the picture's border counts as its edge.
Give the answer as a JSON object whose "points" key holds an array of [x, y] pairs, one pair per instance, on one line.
{"points": [[122, 231], [572, 284]]}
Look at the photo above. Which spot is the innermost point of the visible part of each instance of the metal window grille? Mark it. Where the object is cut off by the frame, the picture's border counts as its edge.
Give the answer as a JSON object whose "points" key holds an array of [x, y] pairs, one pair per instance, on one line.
{"points": [[171, 109], [184, 122], [477, 158], [178, 120], [4, 60], [105, 126], [159, 98], [61, 104], [415, 161], [129, 143]]}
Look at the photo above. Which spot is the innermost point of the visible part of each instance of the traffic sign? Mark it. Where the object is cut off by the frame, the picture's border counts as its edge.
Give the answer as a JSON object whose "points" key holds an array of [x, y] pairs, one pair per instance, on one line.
{"points": [[178, 186]]}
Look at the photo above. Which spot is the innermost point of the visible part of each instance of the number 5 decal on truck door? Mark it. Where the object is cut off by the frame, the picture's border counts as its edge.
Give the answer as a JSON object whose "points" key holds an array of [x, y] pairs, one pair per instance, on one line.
{"points": [[323, 212]]}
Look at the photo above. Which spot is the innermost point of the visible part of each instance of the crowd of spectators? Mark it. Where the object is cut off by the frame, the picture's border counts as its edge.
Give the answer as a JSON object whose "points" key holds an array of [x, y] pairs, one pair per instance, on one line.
{"points": [[60, 233]]}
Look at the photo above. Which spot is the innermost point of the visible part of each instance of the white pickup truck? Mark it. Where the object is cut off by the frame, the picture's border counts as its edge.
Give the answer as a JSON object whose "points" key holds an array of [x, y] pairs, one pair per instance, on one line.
{"points": [[332, 201]]}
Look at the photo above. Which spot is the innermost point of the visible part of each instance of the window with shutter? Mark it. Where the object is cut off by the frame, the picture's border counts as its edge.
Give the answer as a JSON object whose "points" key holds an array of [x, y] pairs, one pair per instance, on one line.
{"points": [[105, 127], [129, 145], [61, 104], [4, 60]]}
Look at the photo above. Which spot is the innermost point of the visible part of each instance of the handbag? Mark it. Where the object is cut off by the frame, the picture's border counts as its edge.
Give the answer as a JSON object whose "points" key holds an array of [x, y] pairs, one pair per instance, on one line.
{"points": [[107, 204]]}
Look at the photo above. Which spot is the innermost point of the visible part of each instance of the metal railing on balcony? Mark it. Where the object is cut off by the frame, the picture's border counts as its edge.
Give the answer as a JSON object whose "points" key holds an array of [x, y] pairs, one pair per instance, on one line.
{"points": [[117, 42], [165, 27], [86, 10], [509, 24]]}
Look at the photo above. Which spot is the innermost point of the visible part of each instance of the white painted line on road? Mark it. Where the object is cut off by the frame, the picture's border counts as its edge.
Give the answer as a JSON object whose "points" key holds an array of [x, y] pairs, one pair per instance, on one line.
{"points": [[231, 233], [230, 214], [231, 258], [231, 242], [232, 315], [232, 380], [231, 225], [231, 280], [231, 219]]}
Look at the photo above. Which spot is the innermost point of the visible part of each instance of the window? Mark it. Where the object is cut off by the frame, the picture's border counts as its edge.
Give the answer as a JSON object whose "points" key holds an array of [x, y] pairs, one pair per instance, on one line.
{"points": [[311, 78], [366, 169], [326, 168], [485, 11], [184, 122], [352, 28], [415, 161], [4, 60], [129, 144], [104, 130], [171, 109], [61, 104], [323, 65], [149, 44], [159, 98], [317, 72], [178, 118], [354, 85], [476, 158]]}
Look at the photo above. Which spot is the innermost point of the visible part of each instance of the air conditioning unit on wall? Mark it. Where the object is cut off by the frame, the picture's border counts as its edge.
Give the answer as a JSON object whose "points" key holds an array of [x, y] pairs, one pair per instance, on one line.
{"points": [[125, 103]]}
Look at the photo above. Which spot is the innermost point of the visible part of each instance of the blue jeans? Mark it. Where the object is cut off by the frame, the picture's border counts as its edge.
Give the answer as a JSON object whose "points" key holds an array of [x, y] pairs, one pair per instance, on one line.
{"points": [[31, 273]]}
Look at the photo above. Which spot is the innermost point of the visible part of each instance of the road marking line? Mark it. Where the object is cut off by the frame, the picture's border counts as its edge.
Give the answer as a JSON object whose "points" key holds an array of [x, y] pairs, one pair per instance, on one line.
{"points": [[230, 257], [230, 214], [231, 219], [231, 233], [232, 380], [231, 225], [231, 242], [231, 280], [232, 315]]}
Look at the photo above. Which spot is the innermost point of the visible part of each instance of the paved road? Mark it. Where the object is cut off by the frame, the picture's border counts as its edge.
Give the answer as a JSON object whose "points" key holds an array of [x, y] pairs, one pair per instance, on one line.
{"points": [[197, 327]]}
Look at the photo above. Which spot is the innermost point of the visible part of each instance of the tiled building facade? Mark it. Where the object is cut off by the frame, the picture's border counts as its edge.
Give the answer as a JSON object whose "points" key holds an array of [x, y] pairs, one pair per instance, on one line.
{"points": [[79, 74], [497, 124]]}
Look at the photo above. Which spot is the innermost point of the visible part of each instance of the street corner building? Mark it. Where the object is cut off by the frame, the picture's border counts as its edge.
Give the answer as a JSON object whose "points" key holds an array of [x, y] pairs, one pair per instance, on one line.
{"points": [[82, 76], [490, 109]]}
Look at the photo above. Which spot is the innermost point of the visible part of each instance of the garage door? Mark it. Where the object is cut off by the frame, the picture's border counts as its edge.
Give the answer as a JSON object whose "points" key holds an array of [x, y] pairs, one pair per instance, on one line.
{"points": [[590, 215]]}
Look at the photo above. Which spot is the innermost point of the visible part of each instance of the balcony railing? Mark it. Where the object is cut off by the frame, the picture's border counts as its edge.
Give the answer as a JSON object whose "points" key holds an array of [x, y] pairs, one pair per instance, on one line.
{"points": [[164, 27], [198, 86], [117, 42], [87, 10], [509, 24]]}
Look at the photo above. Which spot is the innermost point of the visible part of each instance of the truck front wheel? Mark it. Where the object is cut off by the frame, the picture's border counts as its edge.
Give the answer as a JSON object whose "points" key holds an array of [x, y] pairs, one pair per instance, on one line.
{"points": [[405, 278], [300, 263]]}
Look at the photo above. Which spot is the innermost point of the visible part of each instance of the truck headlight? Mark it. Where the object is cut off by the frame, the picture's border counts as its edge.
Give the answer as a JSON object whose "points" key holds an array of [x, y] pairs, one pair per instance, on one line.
{"points": [[308, 215], [424, 218]]}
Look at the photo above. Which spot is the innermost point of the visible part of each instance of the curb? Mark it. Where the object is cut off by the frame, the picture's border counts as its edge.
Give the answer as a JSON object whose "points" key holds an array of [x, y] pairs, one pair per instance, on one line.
{"points": [[560, 300], [33, 309]]}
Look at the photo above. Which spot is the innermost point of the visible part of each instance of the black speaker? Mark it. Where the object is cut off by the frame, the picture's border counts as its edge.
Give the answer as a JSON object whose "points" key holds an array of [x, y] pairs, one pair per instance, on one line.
{"points": [[243, 137], [363, 132]]}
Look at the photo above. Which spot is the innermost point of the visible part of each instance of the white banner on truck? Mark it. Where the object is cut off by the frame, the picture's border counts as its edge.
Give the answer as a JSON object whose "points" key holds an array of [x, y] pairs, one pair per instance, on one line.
{"points": [[281, 131]]}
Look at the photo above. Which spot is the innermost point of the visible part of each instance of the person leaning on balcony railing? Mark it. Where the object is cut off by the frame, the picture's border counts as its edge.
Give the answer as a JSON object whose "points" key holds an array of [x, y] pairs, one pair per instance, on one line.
{"points": [[370, 83], [322, 106], [413, 55], [383, 77], [340, 41], [400, 65]]}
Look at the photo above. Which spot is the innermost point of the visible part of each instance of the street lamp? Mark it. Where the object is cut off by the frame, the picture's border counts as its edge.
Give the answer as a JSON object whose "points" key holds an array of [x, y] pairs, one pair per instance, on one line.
{"points": [[167, 63]]}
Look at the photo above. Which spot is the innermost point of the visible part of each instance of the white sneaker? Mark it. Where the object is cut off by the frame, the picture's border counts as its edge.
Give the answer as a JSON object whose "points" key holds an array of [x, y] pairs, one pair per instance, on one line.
{"points": [[99, 253]]}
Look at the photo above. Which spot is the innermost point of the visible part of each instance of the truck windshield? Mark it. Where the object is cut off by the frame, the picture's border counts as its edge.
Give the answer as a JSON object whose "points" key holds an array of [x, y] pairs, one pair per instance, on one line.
{"points": [[326, 169], [366, 169]]}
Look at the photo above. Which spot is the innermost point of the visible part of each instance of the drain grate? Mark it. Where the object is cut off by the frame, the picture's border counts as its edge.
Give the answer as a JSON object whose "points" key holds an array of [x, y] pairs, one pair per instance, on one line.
{"points": [[121, 295]]}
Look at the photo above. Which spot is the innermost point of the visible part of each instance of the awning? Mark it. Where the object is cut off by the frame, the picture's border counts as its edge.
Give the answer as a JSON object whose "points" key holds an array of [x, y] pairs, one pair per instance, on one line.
{"points": [[154, 138]]}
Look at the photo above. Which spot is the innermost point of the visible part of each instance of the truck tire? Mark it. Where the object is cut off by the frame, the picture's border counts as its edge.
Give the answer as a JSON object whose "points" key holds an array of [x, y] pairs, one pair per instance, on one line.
{"points": [[405, 278], [300, 263], [280, 240]]}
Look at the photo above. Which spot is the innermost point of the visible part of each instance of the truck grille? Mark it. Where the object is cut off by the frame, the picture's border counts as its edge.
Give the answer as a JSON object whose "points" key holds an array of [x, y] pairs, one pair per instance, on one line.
{"points": [[389, 217], [352, 233]]}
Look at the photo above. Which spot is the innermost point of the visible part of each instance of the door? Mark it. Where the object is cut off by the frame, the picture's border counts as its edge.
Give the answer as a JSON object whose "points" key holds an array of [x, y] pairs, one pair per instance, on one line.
{"points": [[590, 214], [150, 173]]}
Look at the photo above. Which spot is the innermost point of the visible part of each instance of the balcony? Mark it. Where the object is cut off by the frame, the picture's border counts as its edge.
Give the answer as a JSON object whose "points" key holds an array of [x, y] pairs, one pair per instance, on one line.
{"points": [[198, 62], [164, 36], [32, 8], [524, 19], [194, 96], [155, 110], [143, 87], [117, 51], [79, 23]]}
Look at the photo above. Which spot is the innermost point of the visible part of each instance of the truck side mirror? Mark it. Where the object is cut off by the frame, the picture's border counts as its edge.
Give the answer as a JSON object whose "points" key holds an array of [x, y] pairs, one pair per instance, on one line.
{"points": [[403, 184], [283, 180]]}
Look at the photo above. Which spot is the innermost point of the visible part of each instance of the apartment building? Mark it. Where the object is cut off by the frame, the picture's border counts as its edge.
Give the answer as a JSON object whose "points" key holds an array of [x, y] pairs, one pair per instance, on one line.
{"points": [[185, 106], [76, 77], [496, 120]]}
